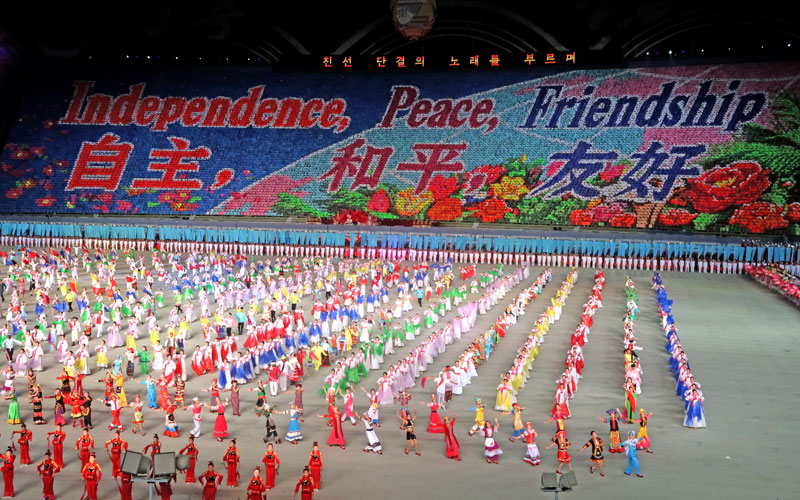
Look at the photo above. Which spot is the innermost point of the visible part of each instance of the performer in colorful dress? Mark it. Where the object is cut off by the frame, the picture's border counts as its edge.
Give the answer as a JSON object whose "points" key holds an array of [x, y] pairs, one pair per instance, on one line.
{"points": [[561, 442], [491, 450], [336, 437], [13, 409], [644, 444], [630, 451], [451, 446], [435, 423], [373, 443], [695, 417], [294, 435], [407, 420], [220, 425], [597, 453], [528, 436], [630, 400], [614, 417]]}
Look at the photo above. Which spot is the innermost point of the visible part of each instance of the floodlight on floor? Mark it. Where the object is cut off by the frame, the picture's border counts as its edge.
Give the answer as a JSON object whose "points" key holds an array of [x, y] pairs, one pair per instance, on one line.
{"points": [[135, 464], [556, 483], [164, 464]]}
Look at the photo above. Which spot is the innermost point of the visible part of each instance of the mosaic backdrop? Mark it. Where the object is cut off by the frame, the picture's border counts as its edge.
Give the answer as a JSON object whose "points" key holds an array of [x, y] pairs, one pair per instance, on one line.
{"points": [[701, 148]]}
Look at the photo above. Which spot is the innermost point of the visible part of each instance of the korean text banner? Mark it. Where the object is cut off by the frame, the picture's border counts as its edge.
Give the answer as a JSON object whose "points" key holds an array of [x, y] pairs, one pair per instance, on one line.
{"points": [[703, 148]]}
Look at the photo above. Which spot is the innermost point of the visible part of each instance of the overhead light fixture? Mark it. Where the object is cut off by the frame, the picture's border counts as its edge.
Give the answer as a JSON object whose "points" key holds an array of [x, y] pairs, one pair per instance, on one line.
{"points": [[148, 57], [670, 52]]}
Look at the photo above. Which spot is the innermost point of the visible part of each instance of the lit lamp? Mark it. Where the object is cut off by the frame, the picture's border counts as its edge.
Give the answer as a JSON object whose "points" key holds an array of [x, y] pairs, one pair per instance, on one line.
{"points": [[413, 18]]}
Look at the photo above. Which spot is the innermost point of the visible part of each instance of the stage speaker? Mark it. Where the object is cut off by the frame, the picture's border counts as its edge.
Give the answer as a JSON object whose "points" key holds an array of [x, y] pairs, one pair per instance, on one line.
{"points": [[182, 462], [135, 464], [549, 481], [567, 481], [164, 464]]}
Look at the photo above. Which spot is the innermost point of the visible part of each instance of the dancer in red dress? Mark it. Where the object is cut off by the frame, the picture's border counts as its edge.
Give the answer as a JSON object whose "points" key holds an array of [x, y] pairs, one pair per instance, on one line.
{"points": [[83, 445], [336, 437], [561, 442], [271, 465], [7, 467], [192, 451], [117, 446], [210, 479], [256, 489], [435, 424], [231, 458], [47, 469], [125, 486], [451, 446], [305, 485], [315, 465], [154, 447], [58, 445], [220, 425], [25, 437], [92, 474], [165, 489]]}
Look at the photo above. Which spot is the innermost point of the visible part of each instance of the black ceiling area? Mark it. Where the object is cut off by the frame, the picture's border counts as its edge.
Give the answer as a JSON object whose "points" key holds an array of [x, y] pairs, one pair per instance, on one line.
{"points": [[238, 32]]}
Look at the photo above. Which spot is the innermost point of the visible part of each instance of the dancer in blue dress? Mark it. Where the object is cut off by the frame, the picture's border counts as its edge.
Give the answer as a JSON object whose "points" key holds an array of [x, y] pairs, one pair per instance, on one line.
{"points": [[293, 435], [152, 398]]}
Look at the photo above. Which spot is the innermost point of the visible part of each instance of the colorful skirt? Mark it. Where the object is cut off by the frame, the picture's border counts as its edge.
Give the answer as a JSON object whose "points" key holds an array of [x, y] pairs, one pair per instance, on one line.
{"points": [[532, 457], [13, 413], [491, 448], [294, 434]]}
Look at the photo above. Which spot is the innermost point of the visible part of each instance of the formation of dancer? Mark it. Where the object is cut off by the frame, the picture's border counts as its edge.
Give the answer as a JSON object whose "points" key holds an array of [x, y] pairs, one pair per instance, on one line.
{"points": [[567, 384], [253, 331], [685, 384]]}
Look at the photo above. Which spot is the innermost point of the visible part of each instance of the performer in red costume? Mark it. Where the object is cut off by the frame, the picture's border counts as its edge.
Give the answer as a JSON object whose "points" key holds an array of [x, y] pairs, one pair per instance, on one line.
{"points": [[58, 445], [47, 469], [25, 437], [83, 445], [256, 489], [125, 486], [231, 458], [92, 474], [315, 466], [305, 486], [7, 467], [191, 450], [210, 479], [271, 463], [118, 445]]}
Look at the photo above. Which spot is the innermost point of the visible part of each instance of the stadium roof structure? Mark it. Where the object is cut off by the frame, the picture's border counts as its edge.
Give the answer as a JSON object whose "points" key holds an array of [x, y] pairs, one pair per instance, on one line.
{"points": [[280, 33]]}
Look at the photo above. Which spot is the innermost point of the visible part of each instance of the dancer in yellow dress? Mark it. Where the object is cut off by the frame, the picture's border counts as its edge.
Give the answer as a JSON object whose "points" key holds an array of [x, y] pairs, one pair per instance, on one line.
{"points": [[644, 444]]}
